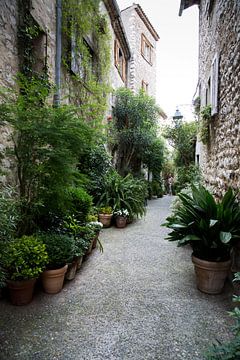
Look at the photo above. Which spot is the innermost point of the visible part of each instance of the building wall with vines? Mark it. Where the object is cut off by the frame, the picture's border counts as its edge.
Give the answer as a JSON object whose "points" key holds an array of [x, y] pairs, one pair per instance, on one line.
{"points": [[219, 66]]}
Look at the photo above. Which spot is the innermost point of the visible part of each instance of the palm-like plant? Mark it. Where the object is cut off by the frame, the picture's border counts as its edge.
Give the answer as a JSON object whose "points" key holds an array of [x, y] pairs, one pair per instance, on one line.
{"points": [[124, 193], [210, 227]]}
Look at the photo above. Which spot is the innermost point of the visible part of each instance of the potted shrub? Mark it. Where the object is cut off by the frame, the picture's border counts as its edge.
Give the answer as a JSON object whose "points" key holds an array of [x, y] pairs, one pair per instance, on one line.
{"points": [[105, 215], [121, 218], [211, 228], [60, 249], [96, 226], [24, 260]]}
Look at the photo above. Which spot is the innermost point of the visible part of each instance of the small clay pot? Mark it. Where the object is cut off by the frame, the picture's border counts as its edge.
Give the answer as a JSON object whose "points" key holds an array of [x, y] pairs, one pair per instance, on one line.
{"points": [[121, 221]]}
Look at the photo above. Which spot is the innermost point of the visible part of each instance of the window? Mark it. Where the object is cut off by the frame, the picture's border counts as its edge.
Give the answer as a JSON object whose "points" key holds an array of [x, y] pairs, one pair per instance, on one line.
{"points": [[77, 63], [145, 86], [211, 90], [214, 85], [119, 60], [146, 49]]}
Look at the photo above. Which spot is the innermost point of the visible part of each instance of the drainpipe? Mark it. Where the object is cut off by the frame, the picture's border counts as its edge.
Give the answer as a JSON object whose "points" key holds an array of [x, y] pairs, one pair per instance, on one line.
{"points": [[57, 95]]}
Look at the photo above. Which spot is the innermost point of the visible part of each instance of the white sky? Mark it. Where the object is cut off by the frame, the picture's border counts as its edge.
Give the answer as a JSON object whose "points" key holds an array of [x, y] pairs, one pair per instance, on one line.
{"points": [[177, 52]]}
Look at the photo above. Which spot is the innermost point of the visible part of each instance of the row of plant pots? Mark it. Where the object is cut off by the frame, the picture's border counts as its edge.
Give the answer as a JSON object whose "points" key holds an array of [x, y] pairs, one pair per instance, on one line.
{"points": [[50, 257], [121, 217]]}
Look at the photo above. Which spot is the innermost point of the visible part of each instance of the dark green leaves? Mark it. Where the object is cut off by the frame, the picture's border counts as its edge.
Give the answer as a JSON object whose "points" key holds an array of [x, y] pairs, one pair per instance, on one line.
{"points": [[204, 223]]}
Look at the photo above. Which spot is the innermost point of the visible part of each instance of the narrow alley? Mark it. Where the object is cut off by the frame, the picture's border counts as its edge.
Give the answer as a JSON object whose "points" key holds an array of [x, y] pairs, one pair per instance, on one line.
{"points": [[136, 301]]}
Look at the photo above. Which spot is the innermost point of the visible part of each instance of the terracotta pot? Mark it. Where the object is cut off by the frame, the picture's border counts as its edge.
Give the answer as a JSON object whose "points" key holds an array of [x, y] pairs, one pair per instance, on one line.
{"points": [[71, 271], [21, 292], [105, 219], [211, 275], [52, 280], [121, 222], [94, 245], [79, 262], [89, 250]]}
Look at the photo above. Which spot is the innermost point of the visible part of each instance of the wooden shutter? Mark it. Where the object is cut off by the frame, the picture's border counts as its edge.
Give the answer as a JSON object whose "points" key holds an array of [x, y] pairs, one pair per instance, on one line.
{"points": [[214, 85]]}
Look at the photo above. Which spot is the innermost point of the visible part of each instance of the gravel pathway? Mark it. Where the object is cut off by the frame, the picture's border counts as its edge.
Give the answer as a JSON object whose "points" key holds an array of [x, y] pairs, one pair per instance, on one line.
{"points": [[136, 301]]}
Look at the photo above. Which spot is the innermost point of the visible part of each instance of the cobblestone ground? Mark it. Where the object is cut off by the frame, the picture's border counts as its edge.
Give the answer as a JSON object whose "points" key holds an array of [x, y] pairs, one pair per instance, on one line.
{"points": [[135, 301]]}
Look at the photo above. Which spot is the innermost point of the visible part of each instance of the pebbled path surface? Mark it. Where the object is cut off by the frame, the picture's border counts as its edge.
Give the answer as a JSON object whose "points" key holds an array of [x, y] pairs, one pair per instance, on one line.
{"points": [[136, 301]]}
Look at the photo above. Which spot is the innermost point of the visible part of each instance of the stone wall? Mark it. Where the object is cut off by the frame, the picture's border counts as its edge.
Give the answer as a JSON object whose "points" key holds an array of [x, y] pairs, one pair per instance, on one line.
{"points": [[220, 34], [8, 42], [114, 77], [139, 69], [43, 11]]}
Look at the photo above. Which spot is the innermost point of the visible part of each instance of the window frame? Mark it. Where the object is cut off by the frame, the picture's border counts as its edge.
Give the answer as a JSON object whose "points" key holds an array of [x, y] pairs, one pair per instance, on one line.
{"points": [[145, 41], [120, 63], [145, 86]]}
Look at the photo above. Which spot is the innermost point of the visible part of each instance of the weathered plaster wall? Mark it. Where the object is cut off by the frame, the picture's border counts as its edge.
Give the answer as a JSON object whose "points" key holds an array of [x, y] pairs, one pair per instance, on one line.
{"points": [[220, 33], [139, 68]]}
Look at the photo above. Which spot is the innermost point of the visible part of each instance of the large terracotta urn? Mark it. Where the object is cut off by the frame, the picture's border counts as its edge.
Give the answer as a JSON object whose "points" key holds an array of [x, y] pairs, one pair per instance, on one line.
{"points": [[210, 275]]}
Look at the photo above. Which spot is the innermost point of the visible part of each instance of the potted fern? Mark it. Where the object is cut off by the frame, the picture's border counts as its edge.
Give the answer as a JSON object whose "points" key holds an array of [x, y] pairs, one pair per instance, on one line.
{"points": [[211, 228]]}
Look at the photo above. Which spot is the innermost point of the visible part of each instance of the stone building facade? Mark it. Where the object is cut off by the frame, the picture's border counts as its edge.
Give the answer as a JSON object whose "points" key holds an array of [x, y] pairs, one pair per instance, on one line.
{"points": [[142, 39], [219, 86], [120, 49]]}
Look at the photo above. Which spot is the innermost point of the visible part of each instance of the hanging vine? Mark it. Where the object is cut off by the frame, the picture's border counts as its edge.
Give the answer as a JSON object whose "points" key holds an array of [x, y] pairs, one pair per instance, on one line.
{"points": [[87, 44]]}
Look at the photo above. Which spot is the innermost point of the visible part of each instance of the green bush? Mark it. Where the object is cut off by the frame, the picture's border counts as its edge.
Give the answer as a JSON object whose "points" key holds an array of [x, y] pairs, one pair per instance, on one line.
{"points": [[95, 164], [80, 203], [124, 193], [9, 215], [211, 228], [185, 176], [106, 210], [25, 258], [48, 142], [60, 249], [156, 188]]}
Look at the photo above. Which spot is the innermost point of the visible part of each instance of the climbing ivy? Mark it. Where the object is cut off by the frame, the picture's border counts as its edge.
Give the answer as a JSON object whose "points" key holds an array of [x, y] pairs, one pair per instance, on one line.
{"points": [[89, 85], [205, 117]]}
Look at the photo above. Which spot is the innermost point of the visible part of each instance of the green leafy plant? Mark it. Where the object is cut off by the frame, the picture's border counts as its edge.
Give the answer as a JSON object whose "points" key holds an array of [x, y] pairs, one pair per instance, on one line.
{"points": [[124, 193], [185, 176], [210, 227], [95, 163], [205, 117], [134, 129], [80, 203], [9, 214], [47, 143], [228, 350], [60, 249], [25, 258], [106, 210]]}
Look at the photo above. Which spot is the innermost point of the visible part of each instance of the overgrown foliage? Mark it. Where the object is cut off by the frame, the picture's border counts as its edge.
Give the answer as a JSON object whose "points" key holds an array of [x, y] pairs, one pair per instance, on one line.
{"points": [[154, 157], [95, 164], [205, 117], [86, 56], [47, 143], [211, 228], [124, 193], [182, 137], [134, 129]]}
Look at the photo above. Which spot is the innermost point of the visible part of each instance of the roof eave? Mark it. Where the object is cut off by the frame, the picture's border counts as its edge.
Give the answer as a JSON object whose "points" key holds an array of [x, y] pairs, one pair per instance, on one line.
{"points": [[186, 4], [115, 16]]}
